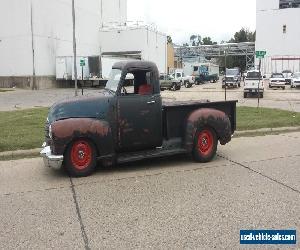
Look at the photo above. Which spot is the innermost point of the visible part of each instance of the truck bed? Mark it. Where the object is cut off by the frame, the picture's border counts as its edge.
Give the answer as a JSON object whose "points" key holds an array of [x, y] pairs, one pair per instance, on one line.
{"points": [[179, 110]]}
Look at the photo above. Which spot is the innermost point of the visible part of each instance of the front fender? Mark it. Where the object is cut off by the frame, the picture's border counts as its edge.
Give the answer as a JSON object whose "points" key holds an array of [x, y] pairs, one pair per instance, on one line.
{"points": [[207, 117], [98, 131]]}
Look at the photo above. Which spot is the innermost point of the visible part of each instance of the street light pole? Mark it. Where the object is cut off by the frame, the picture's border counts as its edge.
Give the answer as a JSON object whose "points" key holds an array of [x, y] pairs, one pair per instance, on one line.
{"points": [[74, 47]]}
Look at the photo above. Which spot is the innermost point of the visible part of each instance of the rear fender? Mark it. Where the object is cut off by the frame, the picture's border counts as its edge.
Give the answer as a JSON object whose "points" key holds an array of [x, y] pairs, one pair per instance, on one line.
{"points": [[207, 117], [97, 131]]}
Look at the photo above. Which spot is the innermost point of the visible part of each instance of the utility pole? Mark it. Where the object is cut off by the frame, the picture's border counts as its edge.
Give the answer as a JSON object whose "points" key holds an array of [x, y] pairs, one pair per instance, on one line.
{"points": [[258, 89], [74, 47], [225, 74]]}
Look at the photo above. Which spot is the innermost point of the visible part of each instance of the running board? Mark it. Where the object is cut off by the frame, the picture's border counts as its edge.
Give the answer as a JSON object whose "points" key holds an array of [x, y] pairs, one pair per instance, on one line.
{"points": [[141, 155]]}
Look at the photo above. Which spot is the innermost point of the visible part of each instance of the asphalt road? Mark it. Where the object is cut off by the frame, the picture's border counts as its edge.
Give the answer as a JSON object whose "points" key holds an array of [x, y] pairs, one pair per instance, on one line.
{"points": [[169, 203], [288, 99]]}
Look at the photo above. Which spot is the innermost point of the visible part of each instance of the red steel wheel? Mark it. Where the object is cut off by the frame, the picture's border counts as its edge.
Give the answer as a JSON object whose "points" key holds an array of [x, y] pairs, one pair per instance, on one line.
{"points": [[81, 155], [205, 142], [81, 158], [205, 145]]}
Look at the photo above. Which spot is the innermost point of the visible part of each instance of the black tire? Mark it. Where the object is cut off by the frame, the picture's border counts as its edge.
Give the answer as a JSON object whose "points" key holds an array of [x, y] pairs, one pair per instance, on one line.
{"points": [[245, 95], [80, 158], [178, 87], [205, 149], [283, 88], [261, 95], [187, 84]]}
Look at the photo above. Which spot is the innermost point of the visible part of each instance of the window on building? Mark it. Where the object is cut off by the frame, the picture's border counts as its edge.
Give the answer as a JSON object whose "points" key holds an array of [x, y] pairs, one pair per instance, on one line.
{"points": [[284, 29], [283, 4]]}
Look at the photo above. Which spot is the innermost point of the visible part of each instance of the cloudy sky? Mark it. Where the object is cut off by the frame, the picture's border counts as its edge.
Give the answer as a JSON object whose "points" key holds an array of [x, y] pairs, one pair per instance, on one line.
{"points": [[218, 19]]}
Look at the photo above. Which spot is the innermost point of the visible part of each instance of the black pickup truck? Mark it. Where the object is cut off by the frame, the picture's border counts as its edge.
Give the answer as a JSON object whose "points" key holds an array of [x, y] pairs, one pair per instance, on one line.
{"points": [[129, 123]]}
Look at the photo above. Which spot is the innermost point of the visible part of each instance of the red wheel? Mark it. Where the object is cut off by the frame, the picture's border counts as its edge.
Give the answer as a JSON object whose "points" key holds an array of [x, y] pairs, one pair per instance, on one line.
{"points": [[81, 158], [205, 145], [81, 155]]}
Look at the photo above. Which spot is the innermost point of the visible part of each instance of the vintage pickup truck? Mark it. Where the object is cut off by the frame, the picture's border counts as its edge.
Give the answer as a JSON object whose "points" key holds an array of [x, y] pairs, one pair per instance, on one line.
{"points": [[123, 124]]}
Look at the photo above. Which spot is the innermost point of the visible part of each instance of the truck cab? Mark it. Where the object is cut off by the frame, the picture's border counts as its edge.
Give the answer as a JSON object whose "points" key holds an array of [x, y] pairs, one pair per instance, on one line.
{"points": [[127, 123]]}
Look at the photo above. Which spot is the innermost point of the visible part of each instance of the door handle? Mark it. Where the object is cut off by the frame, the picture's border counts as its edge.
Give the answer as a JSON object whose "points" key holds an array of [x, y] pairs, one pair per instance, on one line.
{"points": [[151, 102]]}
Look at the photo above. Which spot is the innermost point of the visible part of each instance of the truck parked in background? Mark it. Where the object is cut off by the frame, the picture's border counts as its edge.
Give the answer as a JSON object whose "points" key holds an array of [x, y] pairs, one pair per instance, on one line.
{"points": [[168, 82], [254, 84], [232, 78], [205, 72], [288, 75], [187, 81]]}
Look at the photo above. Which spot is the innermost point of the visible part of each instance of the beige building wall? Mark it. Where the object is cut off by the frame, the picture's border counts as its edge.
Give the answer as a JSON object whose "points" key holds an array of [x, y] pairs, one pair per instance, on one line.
{"points": [[171, 56]]}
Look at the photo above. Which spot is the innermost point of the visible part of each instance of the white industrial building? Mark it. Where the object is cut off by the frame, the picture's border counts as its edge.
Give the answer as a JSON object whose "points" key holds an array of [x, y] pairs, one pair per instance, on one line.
{"points": [[34, 33], [278, 32]]}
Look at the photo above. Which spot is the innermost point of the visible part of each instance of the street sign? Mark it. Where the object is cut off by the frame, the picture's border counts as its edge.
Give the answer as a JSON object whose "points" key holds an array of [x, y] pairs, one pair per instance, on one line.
{"points": [[82, 62], [260, 53]]}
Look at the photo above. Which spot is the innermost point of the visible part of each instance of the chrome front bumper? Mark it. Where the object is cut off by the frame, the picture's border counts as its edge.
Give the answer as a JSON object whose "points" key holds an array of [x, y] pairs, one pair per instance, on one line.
{"points": [[51, 161]]}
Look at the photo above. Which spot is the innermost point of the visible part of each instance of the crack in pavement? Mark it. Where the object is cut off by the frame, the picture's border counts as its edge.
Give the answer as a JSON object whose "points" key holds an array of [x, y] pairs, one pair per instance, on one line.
{"points": [[82, 227], [270, 159], [261, 174]]}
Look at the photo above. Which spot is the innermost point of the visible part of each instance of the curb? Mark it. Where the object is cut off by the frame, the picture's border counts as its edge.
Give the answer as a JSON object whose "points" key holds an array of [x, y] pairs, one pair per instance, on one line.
{"points": [[8, 155], [266, 130], [19, 154]]}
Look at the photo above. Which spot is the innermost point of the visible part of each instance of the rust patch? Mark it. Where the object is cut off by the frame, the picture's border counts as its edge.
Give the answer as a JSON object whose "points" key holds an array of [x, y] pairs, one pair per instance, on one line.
{"points": [[66, 128], [213, 118]]}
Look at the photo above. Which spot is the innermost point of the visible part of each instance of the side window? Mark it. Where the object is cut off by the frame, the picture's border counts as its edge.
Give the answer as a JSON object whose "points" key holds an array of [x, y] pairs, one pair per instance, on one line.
{"points": [[138, 83], [128, 85]]}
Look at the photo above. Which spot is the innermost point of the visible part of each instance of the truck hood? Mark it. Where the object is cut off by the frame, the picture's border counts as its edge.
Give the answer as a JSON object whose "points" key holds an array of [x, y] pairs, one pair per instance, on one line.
{"points": [[95, 106]]}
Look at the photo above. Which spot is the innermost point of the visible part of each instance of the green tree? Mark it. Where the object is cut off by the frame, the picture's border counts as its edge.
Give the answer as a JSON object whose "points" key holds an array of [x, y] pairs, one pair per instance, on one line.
{"points": [[207, 41], [195, 40]]}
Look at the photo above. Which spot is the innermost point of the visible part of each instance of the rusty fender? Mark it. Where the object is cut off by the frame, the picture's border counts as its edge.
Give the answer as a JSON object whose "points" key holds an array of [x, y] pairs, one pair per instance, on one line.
{"points": [[98, 131], [207, 117]]}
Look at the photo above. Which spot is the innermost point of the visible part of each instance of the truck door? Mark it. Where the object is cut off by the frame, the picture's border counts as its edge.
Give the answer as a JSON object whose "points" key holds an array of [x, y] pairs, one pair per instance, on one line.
{"points": [[139, 114]]}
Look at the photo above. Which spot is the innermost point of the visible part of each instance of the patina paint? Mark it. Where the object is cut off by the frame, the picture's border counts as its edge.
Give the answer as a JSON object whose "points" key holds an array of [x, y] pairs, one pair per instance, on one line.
{"points": [[207, 117]]}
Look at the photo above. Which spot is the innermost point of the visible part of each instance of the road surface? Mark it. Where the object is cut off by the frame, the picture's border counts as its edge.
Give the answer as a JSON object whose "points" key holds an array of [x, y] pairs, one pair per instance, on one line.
{"points": [[254, 183]]}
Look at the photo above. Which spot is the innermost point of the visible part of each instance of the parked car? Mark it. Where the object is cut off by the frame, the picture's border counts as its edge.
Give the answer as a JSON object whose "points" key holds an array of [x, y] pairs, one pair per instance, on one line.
{"points": [[232, 78], [277, 80], [287, 76], [254, 84], [295, 80], [119, 126], [168, 82], [187, 81]]}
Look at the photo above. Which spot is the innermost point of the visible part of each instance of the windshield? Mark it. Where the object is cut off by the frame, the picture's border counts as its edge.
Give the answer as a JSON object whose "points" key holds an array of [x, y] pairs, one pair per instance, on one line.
{"points": [[277, 76], [114, 79], [253, 75], [232, 72]]}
